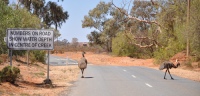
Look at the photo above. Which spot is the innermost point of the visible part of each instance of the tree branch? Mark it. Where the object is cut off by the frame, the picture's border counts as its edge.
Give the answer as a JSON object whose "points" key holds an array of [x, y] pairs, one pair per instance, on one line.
{"points": [[135, 18]]}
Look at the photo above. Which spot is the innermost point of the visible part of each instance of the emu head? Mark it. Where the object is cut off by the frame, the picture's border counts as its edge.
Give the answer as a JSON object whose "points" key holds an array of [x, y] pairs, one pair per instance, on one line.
{"points": [[83, 53], [177, 63]]}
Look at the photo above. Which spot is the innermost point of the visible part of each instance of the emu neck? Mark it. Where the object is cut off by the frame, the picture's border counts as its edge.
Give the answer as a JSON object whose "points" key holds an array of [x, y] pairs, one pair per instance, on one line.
{"points": [[176, 66], [83, 55]]}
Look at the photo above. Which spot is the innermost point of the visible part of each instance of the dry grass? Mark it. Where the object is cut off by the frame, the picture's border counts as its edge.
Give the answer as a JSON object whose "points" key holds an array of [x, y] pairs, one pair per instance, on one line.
{"points": [[31, 82]]}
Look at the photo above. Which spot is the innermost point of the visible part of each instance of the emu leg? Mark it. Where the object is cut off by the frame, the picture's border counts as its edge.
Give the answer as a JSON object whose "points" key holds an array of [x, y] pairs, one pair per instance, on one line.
{"points": [[170, 75], [82, 73], [165, 74]]}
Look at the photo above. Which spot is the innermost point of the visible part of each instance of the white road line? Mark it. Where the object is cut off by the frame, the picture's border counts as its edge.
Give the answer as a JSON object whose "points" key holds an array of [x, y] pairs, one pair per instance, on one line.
{"points": [[133, 76], [61, 59], [124, 70], [148, 85]]}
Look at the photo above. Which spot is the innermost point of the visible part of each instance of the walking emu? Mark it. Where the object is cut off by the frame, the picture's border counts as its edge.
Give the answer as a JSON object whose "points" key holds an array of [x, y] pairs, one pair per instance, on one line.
{"points": [[168, 65], [82, 64]]}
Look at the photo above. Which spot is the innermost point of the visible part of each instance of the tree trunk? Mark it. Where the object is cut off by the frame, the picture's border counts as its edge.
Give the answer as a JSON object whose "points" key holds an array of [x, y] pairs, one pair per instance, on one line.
{"points": [[188, 22]]}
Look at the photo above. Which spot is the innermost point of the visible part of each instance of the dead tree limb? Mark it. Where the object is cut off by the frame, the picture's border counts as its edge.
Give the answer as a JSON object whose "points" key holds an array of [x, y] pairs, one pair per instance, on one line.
{"points": [[154, 42], [135, 18]]}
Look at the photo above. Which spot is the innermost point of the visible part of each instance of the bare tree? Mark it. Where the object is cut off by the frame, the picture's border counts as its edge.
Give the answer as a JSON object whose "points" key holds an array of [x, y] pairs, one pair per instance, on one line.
{"points": [[141, 39]]}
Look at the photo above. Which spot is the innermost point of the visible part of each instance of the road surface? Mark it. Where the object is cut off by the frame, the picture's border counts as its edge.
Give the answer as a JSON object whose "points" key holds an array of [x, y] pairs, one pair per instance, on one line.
{"points": [[130, 81], [60, 61]]}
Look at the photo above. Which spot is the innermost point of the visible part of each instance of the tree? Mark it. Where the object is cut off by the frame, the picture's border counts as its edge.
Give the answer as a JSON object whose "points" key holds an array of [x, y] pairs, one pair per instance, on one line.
{"points": [[142, 19], [27, 4], [194, 29], [12, 18], [6, 1], [102, 19], [94, 38], [74, 43], [55, 15]]}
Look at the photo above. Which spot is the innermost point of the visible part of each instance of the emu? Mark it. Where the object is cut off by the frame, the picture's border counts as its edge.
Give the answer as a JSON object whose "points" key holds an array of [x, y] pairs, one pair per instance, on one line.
{"points": [[82, 64], [168, 65]]}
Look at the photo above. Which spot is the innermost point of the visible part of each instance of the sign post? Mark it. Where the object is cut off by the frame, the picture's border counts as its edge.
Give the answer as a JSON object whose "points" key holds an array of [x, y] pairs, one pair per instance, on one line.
{"points": [[30, 39], [10, 53]]}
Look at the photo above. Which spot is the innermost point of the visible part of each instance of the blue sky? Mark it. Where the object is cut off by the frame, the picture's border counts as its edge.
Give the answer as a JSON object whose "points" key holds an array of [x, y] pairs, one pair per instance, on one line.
{"points": [[77, 9]]}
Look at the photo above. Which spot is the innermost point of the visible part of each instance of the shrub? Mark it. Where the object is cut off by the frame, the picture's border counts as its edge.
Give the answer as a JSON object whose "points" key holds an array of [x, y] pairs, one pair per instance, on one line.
{"points": [[37, 55], [40, 56], [121, 46], [32, 58], [9, 74]]}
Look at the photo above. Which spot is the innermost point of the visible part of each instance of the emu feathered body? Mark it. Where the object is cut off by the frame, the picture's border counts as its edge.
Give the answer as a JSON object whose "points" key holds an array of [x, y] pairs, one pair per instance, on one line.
{"points": [[168, 65], [82, 64]]}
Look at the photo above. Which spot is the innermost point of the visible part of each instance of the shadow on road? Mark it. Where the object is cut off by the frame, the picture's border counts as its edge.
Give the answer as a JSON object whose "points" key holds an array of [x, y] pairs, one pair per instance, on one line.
{"points": [[88, 77]]}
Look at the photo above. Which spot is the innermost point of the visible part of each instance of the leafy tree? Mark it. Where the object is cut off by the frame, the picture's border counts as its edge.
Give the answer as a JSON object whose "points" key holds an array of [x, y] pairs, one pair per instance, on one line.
{"points": [[11, 18], [94, 38], [195, 29], [102, 19], [74, 42], [173, 19], [6, 1], [55, 15]]}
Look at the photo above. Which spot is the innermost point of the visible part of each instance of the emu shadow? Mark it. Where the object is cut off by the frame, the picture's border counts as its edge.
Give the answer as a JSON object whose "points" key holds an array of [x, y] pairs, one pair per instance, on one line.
{"points": [[88, 77]]}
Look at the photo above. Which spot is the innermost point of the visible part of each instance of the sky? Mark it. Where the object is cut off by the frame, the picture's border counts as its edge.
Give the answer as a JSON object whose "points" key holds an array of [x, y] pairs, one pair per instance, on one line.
{"points": [[77, 9]]}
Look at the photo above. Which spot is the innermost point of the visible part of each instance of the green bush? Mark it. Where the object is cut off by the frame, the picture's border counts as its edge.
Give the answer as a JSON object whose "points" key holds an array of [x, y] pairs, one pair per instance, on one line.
{"points": [[165, 53], [37, 55], [40, 55], [32, 58], [121, 46], [9, 74]]}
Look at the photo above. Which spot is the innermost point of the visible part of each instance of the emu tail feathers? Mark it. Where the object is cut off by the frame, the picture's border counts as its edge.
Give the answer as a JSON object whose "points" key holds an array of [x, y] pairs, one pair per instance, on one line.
{"points": [[161, 67]]}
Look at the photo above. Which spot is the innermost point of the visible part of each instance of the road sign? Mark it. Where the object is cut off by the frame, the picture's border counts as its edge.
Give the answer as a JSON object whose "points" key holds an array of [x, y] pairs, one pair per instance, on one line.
{"points": [[30, 39]]}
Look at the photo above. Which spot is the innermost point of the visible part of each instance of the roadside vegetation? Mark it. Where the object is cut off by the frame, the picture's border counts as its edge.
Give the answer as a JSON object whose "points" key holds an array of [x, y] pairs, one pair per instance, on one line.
{"points": [[149, 29]]}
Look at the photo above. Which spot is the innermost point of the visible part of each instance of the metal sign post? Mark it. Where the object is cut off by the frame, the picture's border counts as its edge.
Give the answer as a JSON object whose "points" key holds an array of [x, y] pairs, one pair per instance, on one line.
{"points": [[10, 57], [27, 57], [48, 67]]}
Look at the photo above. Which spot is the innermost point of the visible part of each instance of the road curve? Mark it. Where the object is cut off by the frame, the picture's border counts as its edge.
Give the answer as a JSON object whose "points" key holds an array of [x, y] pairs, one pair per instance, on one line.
{"points": [[130, 81]]}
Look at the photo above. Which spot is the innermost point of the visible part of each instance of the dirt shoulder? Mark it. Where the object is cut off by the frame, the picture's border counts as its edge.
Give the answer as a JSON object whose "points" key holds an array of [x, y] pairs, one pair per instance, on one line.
{"points": [[31, 81]]}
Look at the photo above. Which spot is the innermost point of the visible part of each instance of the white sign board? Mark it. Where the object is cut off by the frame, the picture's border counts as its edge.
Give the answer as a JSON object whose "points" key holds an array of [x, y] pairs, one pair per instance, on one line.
{"points": [[30, 39]]}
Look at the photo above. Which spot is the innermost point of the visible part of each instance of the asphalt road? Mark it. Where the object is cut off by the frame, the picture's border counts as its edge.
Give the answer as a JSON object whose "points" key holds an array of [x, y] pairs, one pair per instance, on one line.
{"points": [[131, 81], [60, 61]]}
